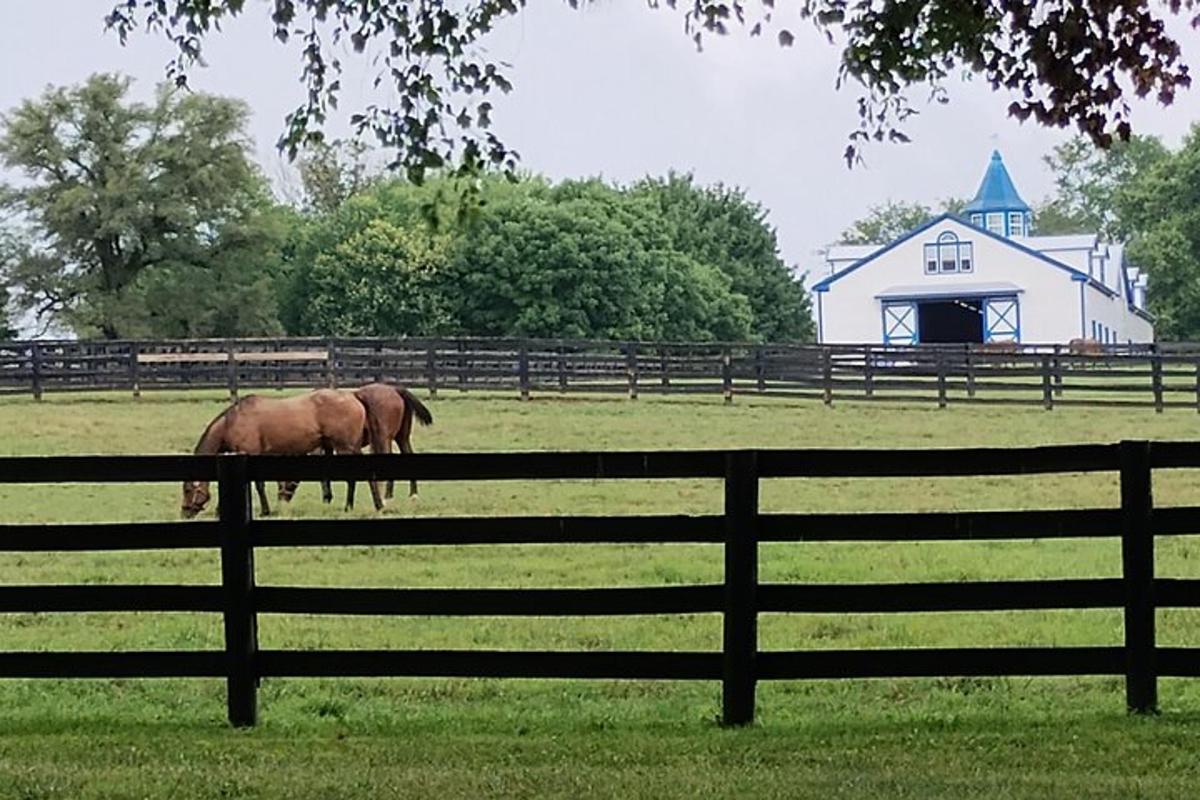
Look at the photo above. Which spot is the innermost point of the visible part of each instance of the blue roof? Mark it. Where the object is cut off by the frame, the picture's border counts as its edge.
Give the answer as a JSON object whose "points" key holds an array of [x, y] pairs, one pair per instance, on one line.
{"points": [[997, 192]]}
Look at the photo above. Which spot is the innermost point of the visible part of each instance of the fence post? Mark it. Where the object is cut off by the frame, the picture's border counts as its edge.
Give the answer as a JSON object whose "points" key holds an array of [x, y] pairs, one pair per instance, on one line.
{"points": [[35, 368], [1156, 380], [431, 375], [462, 366], [231, 370], [1198, 385], [237, 584], [331, 364], [379, 362], [666, 378], [631, 369], [1058, 373], [1047, 393], [970, 371], [523, 371], [827, 375], [868, 372], [727, 375], [135, 370], [740, 639], [941, 379], [760, 369], [562, 368], [1137, 560]]}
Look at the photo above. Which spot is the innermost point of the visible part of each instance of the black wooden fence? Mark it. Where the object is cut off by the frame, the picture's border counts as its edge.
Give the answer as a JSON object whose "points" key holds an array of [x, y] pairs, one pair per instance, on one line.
{"points": [[740, 598], [1158, 376]]}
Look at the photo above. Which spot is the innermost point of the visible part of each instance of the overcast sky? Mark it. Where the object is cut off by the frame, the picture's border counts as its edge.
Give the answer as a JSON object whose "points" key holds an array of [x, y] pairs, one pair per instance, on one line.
{"points": [[617, 90]]}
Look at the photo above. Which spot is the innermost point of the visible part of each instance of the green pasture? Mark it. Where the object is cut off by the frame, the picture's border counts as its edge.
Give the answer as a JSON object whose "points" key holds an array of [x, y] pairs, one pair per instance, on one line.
{"points": [[420, 738]]}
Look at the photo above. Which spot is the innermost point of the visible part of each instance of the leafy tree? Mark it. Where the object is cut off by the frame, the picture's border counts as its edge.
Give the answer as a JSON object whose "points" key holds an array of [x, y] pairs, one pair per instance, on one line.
{"points": [[115, 190], [721, 227], [581, 259], [1068, 62], [228, 287], [1087, 184], [333, 172], [1160, 210], [381, 281]]}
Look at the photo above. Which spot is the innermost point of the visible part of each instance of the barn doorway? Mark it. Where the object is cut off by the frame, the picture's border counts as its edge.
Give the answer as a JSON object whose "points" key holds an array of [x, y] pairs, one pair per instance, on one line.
{"points": [[950, 321]]}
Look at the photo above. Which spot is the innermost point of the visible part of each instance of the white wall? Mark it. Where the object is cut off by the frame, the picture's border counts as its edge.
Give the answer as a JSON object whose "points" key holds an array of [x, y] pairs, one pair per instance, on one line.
{"points": [[1049, 300]]}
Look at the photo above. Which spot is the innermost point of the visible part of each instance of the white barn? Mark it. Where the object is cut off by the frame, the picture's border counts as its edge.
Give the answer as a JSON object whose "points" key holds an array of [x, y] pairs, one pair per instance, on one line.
{"points": [[982, 277]]}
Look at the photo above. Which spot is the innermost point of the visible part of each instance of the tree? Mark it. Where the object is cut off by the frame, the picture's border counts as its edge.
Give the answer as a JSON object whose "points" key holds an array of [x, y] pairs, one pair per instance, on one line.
{"points": [[887, 222], [333, 172], [582, 260], [1159, 209], [115, 190], [1069, 62], [721, 227], [1087, 184], [383, 280]]}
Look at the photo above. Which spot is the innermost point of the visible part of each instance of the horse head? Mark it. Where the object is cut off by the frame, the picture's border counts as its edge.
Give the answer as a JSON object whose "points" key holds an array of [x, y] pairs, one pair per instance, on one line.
{"points": [[195, 498]]}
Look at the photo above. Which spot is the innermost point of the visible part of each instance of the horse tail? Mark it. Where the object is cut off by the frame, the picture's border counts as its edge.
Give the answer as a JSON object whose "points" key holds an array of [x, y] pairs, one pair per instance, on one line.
{"points": [[418, 408]]}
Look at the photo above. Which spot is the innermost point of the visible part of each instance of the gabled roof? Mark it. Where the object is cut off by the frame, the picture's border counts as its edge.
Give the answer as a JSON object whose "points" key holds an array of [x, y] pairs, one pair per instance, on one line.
{"points": [[1083, 277], [996, 192]]}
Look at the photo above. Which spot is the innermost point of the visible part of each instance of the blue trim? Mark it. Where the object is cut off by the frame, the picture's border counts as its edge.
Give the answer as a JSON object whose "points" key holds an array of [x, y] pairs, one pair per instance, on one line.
{"points": [[992, 326], [1082, 310], [912, 326], [820, 320], [823, 286]]}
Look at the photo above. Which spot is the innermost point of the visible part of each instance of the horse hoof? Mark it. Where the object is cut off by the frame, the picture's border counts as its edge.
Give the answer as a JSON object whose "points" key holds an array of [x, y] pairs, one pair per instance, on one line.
{"points": [[412, 498]]}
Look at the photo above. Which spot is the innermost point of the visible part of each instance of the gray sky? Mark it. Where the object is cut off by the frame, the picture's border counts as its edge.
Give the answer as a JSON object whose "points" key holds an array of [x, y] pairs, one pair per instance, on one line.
{"points": [[618, 90]]}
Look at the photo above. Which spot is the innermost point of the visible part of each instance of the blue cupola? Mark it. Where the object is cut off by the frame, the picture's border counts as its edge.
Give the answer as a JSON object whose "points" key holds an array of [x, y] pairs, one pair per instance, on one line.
{"points": [[997, 206]]}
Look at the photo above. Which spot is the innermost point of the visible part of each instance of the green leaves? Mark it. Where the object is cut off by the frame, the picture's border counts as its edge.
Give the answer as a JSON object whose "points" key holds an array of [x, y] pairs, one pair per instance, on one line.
{"points": [[115, 188], [580, 259], [1069, 62]]}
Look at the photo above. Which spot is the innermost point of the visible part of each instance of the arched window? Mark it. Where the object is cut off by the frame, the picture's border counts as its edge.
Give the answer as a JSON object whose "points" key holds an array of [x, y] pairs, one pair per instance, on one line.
{"points": [[948, 254]]}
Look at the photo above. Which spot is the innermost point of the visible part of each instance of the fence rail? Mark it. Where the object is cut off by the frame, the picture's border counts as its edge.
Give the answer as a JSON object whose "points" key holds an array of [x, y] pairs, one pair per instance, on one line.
{"points": [[1156, 375], [740, 598]]}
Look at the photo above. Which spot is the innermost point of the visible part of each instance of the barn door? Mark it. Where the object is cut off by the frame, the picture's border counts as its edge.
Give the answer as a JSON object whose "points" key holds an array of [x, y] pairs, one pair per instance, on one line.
{"points": [[1001, 320], [900, 323]]}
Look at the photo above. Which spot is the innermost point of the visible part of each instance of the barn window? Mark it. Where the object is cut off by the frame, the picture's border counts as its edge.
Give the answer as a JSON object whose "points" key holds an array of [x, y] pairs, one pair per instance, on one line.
{"points": [[949, 255], [995, 223], [1016, 224], [977, 220]]}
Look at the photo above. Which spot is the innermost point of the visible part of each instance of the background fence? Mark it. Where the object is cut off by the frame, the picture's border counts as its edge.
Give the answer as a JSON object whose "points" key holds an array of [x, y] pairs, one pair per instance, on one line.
{"points": [[740, 598], [1158, 376]]}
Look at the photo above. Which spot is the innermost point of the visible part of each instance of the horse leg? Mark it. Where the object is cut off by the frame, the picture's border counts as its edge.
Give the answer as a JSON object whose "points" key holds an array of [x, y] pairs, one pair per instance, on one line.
{"points": [[326, 487], [374, 484], [260, 486]]}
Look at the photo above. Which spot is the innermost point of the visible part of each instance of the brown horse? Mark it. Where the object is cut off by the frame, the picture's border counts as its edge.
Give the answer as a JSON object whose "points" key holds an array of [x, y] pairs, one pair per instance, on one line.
{"points": [[1085, 347], [390, 412], [324, 420]]}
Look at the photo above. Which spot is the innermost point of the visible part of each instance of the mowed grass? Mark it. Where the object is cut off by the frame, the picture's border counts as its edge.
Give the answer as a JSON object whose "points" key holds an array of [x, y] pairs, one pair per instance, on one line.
{"points": [[378, 738]]}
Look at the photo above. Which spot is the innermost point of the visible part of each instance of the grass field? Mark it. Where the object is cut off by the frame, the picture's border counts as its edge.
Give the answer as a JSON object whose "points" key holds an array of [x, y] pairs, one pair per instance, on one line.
{"points": [[354, 738]]}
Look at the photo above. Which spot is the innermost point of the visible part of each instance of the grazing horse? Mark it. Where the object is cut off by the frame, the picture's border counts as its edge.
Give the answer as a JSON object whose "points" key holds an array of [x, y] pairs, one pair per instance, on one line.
{"points": [[324, 419], [390, 412], [1085, 347]]}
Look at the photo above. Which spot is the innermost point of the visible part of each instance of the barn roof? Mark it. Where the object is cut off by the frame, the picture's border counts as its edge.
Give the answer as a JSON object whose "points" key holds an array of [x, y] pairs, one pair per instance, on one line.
{"points": [[996, 192]]}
